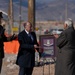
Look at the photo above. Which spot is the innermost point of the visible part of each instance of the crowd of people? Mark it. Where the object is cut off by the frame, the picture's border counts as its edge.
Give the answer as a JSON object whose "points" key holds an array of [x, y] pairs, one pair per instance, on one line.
{"points": [[65, 63]]}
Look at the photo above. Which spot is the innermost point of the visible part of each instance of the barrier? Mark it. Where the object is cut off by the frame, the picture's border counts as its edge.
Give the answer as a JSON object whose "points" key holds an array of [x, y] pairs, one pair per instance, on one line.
{"points": [[11, 47]]}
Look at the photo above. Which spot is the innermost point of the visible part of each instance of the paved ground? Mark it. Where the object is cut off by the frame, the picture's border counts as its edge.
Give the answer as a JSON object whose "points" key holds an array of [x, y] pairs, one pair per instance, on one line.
{"points": [[12, 69]]}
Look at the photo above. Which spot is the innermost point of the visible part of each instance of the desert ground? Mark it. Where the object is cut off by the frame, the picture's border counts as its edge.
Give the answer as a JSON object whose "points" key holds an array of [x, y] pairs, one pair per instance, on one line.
{"points": [[10, 68]]}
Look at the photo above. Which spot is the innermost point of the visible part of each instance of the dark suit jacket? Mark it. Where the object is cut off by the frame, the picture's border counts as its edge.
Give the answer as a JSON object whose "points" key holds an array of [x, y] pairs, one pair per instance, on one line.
{"points": [[3, 38], [65, 64], [26, 54]]}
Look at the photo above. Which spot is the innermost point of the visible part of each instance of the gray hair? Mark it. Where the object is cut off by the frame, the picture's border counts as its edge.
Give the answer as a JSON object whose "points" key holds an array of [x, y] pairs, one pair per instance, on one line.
{"points": [[69, 22]]}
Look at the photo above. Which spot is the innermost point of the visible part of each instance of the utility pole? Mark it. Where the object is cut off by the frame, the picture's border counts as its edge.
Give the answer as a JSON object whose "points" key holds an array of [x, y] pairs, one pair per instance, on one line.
{"points": [[20, 2], [66, 10], [10, 16], [31, 13]]}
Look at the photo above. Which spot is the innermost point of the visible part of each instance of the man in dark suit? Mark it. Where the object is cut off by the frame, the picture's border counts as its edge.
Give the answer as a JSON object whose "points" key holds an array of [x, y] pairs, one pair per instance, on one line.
{"points": [[26, 55], [3, 39], [65, 64]]}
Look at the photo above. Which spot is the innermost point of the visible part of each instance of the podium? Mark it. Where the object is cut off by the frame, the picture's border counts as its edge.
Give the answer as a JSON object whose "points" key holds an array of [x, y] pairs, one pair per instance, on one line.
{"points": [[47, 50]]}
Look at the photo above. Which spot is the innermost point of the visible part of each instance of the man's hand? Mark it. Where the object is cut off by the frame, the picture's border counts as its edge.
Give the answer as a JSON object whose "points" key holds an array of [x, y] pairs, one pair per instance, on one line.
{"points": [[13, 37], [35, 46], [56, 35]]}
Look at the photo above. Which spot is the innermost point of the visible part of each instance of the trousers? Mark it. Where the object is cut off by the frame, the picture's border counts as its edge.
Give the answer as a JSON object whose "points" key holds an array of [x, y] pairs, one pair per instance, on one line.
{"points": [[25, 71]]}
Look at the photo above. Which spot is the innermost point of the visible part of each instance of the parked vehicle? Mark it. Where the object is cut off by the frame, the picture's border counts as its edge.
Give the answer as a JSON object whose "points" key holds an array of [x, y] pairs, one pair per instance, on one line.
{"points": [[55, 31]]}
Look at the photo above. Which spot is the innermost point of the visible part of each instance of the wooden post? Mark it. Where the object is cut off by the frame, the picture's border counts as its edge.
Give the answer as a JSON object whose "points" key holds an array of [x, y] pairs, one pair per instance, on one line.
{"points": [[20, 1], [10, 16], [31, 13]]}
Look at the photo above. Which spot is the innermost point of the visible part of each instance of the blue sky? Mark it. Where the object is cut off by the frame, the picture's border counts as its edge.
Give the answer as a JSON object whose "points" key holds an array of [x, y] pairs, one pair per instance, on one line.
{"points": [[44, 0], [36, 0]]}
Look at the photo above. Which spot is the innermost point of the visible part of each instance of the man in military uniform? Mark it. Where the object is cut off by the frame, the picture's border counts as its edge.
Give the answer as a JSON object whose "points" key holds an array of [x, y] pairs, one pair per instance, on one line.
{"points": [[3, 38]]}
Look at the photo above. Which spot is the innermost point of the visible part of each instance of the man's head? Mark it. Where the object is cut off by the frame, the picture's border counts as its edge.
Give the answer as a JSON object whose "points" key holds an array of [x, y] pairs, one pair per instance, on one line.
{"points": [[68, 23], [28, 26]]}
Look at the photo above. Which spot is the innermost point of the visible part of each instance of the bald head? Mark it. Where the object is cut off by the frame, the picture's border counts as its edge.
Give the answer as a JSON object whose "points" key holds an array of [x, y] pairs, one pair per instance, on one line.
{"points": [[28, 26]]}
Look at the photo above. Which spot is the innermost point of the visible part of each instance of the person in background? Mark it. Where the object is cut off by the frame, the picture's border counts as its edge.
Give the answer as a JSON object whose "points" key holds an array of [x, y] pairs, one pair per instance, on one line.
{"points": [[65, 63], [3, 39], [28, 45]]}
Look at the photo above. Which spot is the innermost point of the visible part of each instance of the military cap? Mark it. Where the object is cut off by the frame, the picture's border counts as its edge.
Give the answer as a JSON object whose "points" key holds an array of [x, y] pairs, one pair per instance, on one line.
{"points": [[1, 15]]}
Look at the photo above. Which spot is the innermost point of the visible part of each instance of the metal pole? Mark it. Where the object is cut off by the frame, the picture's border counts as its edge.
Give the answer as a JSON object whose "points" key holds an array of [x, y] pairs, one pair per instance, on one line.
{"points": [[31, 13], [49, 67], [20, 1], [43, 65], [66, 10]]}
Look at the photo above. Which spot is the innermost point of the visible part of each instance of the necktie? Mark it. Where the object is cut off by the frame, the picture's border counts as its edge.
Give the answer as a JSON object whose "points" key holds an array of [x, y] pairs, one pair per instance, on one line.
{"points": [[30, 36]]}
